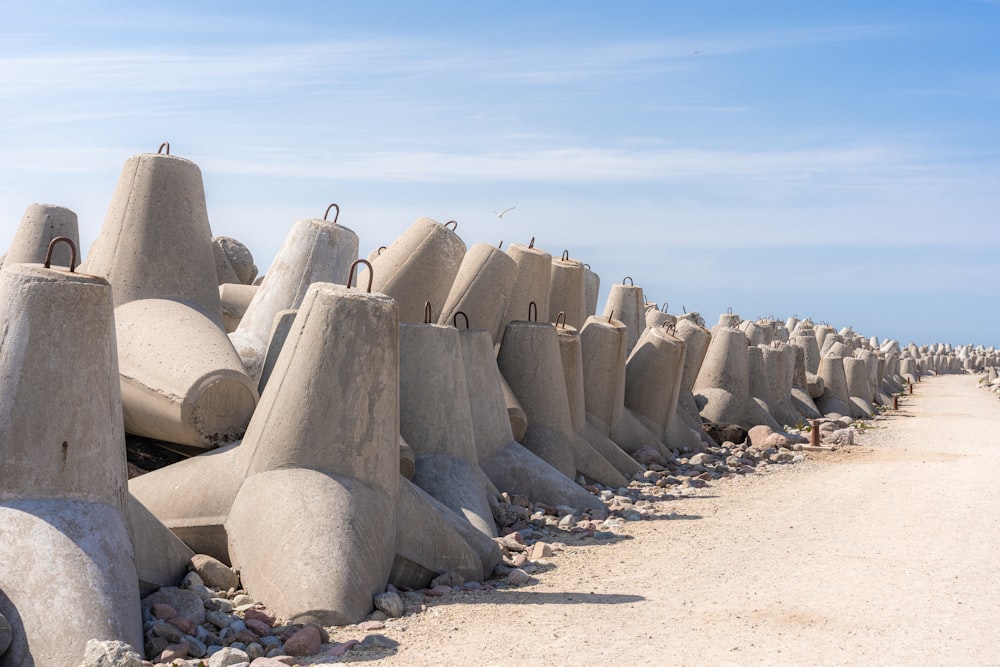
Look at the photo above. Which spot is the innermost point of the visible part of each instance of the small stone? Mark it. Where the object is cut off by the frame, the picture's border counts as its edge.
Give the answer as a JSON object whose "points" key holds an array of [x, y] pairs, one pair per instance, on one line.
{"points": [[219, 604], [242, 599], [214, 573], [307, 641], [413, 597], [568, 521], [390, 603], [268, 661], [700, 459], [191, 579], [378, 641], [259, 628], [185, 625], [187, 603], [262, 615], [378, 616], [174, 652], [449, 578], [219, 619], [254, 650], [438, 591], [366, 626], [227, 657], [196, 649], [517, 577], [168, 631]]}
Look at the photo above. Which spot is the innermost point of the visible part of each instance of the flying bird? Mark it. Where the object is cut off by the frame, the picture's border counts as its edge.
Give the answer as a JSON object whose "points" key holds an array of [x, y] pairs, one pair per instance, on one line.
{"points": [[500, 214]]}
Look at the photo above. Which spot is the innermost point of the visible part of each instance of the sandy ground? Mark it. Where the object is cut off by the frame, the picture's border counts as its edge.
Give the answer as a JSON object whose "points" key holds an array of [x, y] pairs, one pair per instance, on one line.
{"points": [[884, 554]]}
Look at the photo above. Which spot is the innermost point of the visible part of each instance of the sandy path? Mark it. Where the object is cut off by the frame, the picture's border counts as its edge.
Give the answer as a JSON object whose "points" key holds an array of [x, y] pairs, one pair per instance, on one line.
{"points": [[888, 555]]}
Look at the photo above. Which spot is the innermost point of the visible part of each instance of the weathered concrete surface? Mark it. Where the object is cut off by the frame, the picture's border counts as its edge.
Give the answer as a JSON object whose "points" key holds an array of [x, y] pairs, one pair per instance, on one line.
{"points": [[531, 285], [419, 267], [233, 261], [67, 559], [235, 298], [724, 379], [181, 380], [627, 304], [567, 291], [156, 223], [481, 290], [39, 225], [313, 251]]}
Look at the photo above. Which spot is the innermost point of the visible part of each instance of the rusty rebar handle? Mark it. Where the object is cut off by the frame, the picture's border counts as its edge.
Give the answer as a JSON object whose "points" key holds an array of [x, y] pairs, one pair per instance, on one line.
{"points": [[328, 212], [52, 244], [165, 144], [500, 245], [565, 255], [629, 279], [354, 266], [663, 308], [561, 320], [611, 315], [452, 222], [531, 243], [532, 310], [427, 312], [454, 318], [380, 249]]}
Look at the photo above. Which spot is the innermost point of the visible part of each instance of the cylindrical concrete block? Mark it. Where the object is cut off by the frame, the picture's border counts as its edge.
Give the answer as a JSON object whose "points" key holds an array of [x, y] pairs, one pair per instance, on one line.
{"points": [[482, 289], [858, 388], [39, 225], [63, 488], [626, 304], [696, 339], [653, 375], [181, 380], [279, 333], [805, 337], [313, 251], [604, 353], [156, 242], [835, 399], [233, 261], [567, 291], [235, 298], [419, 267]]}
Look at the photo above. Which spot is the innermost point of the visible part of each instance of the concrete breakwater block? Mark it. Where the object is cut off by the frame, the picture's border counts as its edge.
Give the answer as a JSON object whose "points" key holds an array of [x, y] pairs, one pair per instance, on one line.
{"points": [[233, 261], [859, 389], [156, 223], [568, 291], [653, 374], [235, 298], [419, 267], [436, 421], [835, 399], [63, 488], [181, 380], [481, 291], [723, 384], [531, 284], [39, 225], [592, 287], [627, 304], [509, 465], [314, 251]]}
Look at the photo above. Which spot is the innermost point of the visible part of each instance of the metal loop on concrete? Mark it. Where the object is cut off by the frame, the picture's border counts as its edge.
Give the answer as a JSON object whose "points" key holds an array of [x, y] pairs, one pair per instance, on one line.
{"points": [[454, 318], [610, 315], [72, 248], [669, 327], [427, 312], [452, 222], [684, 308], [565, 255], [587, 266], [500, 245], [663, 308], [729, 310], [531, 244], [328, 212], [354, 266], [380, 249], [532, 312], [165, 144], [561, 319], [629, 279]]}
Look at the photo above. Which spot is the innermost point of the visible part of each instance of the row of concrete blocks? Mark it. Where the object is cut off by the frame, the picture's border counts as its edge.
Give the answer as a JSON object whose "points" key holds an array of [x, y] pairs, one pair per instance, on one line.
{"points": [[376, 434]]}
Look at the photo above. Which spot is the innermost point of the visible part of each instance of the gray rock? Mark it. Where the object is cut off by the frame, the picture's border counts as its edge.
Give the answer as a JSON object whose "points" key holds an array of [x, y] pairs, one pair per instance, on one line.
{"points": [[700, 459], [110, 653], [186, 603], [214, 573], [390, 603], [219, 619], [518, 577], [228, 657]]}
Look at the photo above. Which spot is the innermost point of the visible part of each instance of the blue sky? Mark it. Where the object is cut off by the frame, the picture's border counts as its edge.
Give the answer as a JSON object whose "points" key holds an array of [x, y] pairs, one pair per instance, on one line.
{"points": [[833, 160]]}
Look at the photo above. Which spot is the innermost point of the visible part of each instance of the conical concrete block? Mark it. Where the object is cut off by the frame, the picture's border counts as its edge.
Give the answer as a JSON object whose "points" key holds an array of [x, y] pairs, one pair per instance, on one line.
{"points": [[482, 289], [39, 225], [597, 457], [658, 318], [858, 388], [156, 242], [592, 287], [653, 374], [529, 359], [724, 380], [835, 399], [436, 420], [314, 251], [161, 558], [531, 285], [63, 488], [685, 432], [324, 447], [508, 464], [515, 413], [568, 291], [181, 380], [626, 304], [779, 364], [760, 404], [419, 267], [805, 337], [279, 334]]}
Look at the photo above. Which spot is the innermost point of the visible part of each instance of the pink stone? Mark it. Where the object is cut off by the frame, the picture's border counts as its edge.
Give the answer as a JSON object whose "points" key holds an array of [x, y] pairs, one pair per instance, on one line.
{"points": [[262, 615], [306, 641], [367, 626], [271, 662], [174, 652], [438, 591], [162, 611], [185, 625]]}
